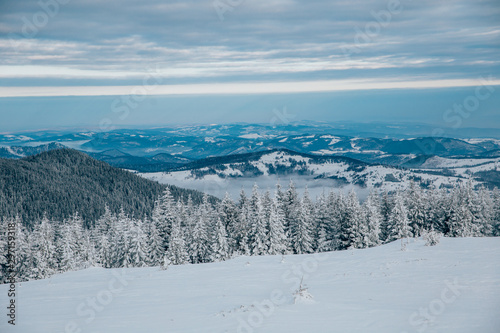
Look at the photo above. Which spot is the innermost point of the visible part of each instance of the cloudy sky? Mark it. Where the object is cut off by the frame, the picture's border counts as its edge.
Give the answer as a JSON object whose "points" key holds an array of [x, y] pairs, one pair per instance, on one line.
{"points": [[77, 62]]}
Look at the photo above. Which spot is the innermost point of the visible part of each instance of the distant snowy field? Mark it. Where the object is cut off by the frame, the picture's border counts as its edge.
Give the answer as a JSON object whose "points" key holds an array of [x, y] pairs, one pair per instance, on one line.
{"points": [[452, 287]]}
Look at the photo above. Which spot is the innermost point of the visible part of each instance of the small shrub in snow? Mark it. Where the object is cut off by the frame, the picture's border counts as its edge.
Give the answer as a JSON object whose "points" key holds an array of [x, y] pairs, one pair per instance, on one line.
{"points": [[431, 238], [302, 295]]}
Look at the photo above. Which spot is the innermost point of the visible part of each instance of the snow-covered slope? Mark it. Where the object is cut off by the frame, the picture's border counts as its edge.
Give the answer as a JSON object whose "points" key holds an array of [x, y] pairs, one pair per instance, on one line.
{"points": [[436, 162], [319, 173], [452, 287]]}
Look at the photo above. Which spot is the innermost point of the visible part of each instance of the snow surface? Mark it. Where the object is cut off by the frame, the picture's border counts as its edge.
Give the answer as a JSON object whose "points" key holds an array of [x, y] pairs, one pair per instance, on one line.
{"points": [[451, 287], [437, 162], [251, 136]]}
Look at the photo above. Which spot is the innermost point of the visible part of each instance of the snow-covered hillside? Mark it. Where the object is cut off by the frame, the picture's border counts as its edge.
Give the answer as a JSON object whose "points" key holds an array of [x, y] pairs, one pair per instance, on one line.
{"points": [[451, 287], [318, 173], [437, 162]]}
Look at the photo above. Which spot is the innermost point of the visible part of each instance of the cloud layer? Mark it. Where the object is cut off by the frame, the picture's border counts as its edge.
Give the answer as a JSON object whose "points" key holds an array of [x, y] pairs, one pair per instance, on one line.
{"points": [[259, 40]]}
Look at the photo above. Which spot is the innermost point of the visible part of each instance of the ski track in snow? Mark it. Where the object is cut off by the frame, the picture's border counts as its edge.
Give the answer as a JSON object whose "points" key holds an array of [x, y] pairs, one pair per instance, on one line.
{"points": [[381, 289]]}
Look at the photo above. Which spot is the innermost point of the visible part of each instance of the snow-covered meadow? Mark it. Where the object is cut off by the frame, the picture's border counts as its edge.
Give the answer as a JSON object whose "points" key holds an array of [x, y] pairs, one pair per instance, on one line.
{"points": [[451, 287]]}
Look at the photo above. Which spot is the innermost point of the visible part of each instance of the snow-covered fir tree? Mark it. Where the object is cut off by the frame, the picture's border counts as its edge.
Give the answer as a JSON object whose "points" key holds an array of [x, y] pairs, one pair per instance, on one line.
{"points": [[373, 218], [220, 248], [290, 204], [164, 215], [139, 250], [416, 209], [398, 220], [258, 228], [176, 253], [24, 255], [154, 244], [278, 242], [323, 225], [43, 249], [3, 250], [302, 241], [228, 213], [353, 231], [496, 212], [199, 247]]}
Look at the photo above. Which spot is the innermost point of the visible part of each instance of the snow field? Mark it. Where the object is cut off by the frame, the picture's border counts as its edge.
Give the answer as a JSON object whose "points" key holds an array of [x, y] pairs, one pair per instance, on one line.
{"points": [[451, 287]]}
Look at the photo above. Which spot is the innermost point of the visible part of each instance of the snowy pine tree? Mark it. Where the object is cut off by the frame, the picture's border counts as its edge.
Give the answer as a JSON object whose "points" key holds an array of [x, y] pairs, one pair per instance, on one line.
{"points": [[164, 215], [176, 252], [323, 225], [277, 238], [258, 228], [154, 244], [353, 233], [229, 216], [4, 250], [44, 250], [24, 256], [199, 248], [289, 202], [302, 241], [373, 219], [398, 220], [496, 212], [220, 248], [139, 250], [416, 209]]}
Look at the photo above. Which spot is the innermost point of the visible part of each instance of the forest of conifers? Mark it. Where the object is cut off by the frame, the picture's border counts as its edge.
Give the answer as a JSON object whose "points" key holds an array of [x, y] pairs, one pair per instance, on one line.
{"points": [[181, 232]]}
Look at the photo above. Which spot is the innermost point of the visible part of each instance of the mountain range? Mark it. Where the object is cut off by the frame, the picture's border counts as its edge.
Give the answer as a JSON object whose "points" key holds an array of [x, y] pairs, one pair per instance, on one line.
{"points": [[209, 157]]}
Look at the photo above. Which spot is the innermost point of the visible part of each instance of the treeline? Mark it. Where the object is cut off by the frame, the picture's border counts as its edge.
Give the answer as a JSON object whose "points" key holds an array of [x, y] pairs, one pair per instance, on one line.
{"points": [[180, 232]]}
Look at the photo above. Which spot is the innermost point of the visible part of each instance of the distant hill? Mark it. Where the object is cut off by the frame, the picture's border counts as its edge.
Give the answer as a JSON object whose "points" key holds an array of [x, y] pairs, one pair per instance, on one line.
{"points": [[257, 156], [24, 151], [62, 181], [158, 162]]}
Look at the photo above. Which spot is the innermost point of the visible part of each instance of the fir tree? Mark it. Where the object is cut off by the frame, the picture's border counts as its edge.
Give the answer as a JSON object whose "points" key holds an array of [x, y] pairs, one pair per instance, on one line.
{"points": [[416, 209], [164, 215], [229, 216], [353, 230], [302, 234], [277, 238], [43, 248], [138, 249], [398, 219], [155, 245], [301, 238], [385, 209], [199, 248], [3, 250], [290, 204], [373, 219], [323, 224], [496, 212], [176, 252], [220, 248], [66, 249], [258, 229], [24, 256]]}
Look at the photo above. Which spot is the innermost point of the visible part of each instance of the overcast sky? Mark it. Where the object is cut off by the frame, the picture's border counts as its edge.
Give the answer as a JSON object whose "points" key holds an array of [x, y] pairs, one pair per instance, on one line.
{"points": [[361, 57]]}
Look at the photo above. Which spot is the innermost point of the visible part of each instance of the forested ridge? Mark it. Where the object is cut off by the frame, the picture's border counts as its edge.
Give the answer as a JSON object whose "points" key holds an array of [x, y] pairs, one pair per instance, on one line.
{"points": [[60, 182], [182, 232]]}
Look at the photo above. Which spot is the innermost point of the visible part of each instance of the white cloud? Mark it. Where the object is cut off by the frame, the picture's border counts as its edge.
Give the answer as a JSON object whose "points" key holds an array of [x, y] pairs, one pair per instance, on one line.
{"points": [[244, 88]]}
